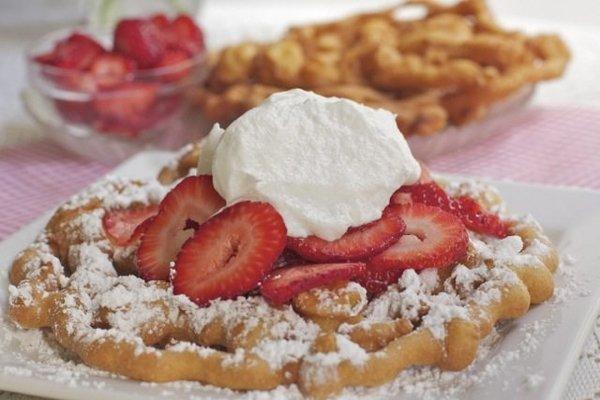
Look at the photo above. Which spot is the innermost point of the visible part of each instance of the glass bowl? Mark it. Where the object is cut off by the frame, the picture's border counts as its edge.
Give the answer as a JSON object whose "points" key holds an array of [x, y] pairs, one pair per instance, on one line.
{"points": [[106, 120]]}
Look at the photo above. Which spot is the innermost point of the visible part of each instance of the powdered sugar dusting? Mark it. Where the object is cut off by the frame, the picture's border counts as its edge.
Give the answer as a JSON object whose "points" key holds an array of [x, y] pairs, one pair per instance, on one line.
{"points": [[127, 305], [117, 192]]}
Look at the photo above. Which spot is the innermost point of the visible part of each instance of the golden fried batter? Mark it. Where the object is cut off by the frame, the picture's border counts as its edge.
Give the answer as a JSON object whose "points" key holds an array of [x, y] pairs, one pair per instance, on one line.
{"points": [[448, 67]]}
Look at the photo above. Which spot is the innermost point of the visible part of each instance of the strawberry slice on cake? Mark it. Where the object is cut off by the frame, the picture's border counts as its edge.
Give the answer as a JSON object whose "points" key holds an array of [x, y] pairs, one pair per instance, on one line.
{"points": [[357, 244], [184, 208], [467, 209], [230, 253], [283, 284], [125, 226], [433, 239]]}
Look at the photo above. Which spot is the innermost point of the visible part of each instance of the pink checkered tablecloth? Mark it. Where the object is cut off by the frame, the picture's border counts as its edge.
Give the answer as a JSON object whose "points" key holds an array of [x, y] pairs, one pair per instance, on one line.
{"points": [[550, 146]]}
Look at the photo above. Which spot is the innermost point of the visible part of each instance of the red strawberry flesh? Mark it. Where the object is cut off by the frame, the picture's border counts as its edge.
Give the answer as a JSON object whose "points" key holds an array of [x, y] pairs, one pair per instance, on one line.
{"points": [[176, 64], [356, 245], [184, 34], [194, 198], [231, 253], [479, 220], [468, 210], [377, 282], [141, 40], [120, 225], [433, 239], [160, 21], [283, 284], [126, 104], [141, 229], [110, 69], [77, 51]]}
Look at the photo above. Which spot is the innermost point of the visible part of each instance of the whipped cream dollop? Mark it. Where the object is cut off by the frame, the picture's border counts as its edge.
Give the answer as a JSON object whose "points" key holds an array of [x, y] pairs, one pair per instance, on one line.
{"points": [[325, 164]]}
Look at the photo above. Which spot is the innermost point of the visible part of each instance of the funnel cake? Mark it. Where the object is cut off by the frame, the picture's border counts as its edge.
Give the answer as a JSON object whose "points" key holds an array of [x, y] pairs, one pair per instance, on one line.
{"points": [[447, 67], [79, 283]]}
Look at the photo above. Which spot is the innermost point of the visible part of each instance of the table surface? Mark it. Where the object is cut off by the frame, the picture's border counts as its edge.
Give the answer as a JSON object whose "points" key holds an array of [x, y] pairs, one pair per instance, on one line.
{"points": [[578, 21]]}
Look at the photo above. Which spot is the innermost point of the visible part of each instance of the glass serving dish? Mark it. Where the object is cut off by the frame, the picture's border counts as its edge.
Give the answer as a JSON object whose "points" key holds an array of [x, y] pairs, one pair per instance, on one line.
{"points": [[150, 109]]}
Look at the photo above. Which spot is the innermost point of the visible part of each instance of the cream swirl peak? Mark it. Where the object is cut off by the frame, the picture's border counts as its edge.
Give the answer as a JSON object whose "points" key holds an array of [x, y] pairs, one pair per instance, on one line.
{"points": [[325, 164]]}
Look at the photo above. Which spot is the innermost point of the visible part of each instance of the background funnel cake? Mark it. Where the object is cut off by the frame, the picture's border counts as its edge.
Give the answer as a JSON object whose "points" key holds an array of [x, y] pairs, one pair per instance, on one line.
{"points": [[446, 68]]}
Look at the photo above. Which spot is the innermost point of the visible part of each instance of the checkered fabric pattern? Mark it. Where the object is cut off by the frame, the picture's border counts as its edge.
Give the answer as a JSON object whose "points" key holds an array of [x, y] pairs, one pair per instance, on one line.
{"points": [[549, 146], [36, 177]]}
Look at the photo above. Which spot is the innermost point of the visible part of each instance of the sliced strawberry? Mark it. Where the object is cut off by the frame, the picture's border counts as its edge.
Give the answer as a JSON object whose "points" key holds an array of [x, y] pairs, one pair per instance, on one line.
{"points": [[479, 220], [120, 225], [141, 229], [141, 40], [283, 284], [78, 51], [230, 253], [378, 281], [287, 259], [430, 194], [177, 63], [468, 210], [195, 199], [110, 69], [400, 197], [126, 103], [184, 34], [357, 244], [433, 239], [80, 81]]}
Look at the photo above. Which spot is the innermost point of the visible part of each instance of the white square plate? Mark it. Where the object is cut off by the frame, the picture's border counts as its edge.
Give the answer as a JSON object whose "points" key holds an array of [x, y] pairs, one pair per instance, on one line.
{"points": [[572, 219]]}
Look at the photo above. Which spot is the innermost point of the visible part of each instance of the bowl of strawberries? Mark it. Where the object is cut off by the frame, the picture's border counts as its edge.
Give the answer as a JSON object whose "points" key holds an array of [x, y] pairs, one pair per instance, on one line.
{"points": [[108, 96]]}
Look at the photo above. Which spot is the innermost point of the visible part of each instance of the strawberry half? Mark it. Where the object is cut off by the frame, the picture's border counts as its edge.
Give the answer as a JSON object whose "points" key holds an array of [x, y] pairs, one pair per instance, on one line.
{"points": [[283, 284], [357, 244], [120, 225], [127, 104], [175, 61], [193, 199], [433, 238], [230, 253], [77, 51], [468, 210], [184, 34], [141, 40], [110, 69], [160, 20]]}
